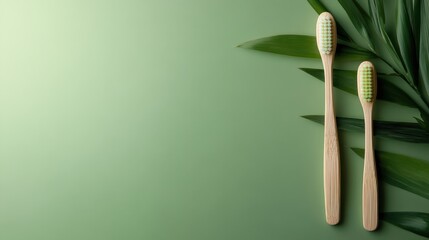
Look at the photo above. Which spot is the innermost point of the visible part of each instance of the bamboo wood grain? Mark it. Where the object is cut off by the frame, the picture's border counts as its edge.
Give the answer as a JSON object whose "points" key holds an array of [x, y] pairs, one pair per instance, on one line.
{"points": [[331, 158], [370, 185]]}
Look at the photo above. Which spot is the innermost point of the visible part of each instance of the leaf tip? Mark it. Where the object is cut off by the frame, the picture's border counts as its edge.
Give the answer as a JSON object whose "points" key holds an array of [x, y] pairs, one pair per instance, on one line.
{"points": [[308, 117], [306, 70], [314, 118], [358, 151]]}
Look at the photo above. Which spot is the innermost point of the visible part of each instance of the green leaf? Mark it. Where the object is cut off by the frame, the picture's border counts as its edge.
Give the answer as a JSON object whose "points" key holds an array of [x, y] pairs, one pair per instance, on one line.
{"points": [[376, 9], [320, 8], [409, 8], [317, 6], [343, 79], [415, 15], [404, 33], [408, 173], [291, 45], [402, 131], [416, 222], [358, 17], [346, 81], [302, 46], [351, 54], [424, 52], [413, 9]]}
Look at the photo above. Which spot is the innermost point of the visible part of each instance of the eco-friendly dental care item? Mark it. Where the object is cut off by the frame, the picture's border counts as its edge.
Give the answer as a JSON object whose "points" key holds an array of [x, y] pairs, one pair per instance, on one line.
{"points": [[367, 89], [326, 33]]}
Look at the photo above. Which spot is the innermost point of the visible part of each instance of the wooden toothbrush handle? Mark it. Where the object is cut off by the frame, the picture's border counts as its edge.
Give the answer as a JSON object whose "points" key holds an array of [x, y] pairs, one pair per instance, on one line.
{"points": [[369, 189], [331, 160]]}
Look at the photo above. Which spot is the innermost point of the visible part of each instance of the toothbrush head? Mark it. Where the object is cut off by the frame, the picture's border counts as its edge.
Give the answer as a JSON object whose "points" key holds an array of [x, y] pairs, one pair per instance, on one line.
{"points": [[326, 34], [367, 82]]}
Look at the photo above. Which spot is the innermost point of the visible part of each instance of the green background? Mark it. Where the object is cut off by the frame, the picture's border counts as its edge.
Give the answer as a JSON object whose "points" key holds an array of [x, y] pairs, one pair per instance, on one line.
{"points": [[139, 119]]}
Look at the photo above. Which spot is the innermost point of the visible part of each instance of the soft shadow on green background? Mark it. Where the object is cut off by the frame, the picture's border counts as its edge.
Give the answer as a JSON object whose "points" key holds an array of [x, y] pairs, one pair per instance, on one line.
{"points": [[140, 120]]}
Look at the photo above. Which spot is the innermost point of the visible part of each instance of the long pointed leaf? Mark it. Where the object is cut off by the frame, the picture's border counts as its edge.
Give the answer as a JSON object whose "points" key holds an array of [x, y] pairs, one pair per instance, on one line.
{"points": [[302, 46], [413, 9], [346, 81], [343, 79], [376, 10], [409, 7], [358, 18], [407, 132], [424, 51], [408, 173], [291, 45], [415, 15], [404, 33], [416, 222]]}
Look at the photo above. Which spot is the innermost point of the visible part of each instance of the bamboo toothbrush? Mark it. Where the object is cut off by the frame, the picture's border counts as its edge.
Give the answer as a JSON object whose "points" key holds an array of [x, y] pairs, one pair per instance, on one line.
{"points": [[367, 89], [326, 33]]}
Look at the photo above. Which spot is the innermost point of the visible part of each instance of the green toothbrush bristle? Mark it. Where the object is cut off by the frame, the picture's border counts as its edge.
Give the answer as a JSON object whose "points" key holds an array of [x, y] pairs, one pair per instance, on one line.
{"points": [[325, 32], [367, 83]]}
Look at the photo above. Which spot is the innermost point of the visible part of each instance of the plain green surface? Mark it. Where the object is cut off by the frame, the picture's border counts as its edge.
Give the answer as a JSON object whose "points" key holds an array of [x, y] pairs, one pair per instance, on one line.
{"points": [[138, 119]]}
